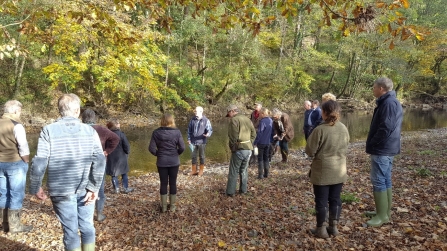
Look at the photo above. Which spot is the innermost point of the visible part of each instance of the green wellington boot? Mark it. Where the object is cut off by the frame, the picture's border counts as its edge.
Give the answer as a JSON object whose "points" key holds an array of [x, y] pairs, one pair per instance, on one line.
{"points": [[390, 203], [381, 201], [164, 203], [88, 247], [172, 202]]}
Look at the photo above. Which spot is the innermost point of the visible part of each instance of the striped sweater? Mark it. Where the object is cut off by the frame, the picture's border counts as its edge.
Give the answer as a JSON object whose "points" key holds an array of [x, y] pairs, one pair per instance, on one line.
{"points": [[73, 154]]}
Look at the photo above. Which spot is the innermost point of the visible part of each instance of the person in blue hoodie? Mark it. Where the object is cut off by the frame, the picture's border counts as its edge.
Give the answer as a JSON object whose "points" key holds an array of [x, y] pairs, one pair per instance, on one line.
{"points": [[383, 143], [199, 129], [262, 142]]}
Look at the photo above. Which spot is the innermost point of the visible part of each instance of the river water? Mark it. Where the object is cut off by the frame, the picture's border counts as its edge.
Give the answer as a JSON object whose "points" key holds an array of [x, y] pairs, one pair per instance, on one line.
{"points": [[357, 122]]}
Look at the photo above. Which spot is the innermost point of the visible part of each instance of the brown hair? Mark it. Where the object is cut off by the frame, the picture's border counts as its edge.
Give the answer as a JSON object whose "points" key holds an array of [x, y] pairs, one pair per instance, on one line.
{"points": [[331, 110], [167, 120], [112, 123]]}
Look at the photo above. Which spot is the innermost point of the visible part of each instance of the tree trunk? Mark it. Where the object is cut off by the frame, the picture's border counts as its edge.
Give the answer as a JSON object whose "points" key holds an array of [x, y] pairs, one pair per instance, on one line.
{"points": [[328, 88], [351, 66], [18, 76]]}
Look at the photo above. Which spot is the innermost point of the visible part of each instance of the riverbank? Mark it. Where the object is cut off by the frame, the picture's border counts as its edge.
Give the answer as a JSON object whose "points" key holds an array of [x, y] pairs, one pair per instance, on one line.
{"points": [[275, 215], [35, 120]]}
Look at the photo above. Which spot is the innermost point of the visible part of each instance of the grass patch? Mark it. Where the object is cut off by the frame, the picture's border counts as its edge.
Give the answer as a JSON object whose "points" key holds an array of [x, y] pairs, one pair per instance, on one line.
{"points": [[423, 172], [427, 152], [348, 197]]}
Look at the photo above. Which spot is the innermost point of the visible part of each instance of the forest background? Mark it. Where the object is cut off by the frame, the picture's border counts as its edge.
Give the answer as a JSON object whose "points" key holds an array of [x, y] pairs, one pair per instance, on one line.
{"points": [[148, 57]]}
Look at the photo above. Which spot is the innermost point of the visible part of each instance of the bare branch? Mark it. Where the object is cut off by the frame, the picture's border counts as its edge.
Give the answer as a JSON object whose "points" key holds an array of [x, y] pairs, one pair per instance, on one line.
{"points": [[17, 23]]}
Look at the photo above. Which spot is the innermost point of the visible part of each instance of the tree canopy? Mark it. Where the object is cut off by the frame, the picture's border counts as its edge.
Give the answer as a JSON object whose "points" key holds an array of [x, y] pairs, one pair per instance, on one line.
{"points": [[135, 54]]}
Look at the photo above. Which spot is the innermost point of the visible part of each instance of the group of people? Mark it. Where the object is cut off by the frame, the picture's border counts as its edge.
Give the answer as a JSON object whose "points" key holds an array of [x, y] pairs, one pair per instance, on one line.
{"points": [[76, 156], [327, 145]]}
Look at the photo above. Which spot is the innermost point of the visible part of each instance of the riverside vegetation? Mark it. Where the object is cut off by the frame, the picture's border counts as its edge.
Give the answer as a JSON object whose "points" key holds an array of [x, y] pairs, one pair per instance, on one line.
{"points": [[276, 214]]}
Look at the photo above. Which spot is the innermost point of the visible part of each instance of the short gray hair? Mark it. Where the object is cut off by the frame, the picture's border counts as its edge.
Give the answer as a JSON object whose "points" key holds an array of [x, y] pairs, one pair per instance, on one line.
{"points": [[69, 105], [276, 112], [12, 106], [89, 116], [385, 83]]}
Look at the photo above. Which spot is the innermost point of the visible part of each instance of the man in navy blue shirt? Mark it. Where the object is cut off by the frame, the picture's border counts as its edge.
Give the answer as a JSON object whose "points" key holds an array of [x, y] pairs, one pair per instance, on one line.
{"points": [[383, 144], [199, 129]]}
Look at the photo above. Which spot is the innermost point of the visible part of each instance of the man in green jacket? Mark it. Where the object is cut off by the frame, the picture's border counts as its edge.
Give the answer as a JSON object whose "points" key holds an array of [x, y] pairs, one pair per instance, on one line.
{"points": [[241, 134]]}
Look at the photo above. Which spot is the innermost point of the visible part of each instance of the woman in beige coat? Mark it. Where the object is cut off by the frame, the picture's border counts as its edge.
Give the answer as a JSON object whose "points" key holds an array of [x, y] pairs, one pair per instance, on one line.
{"points": [[328, 145]]}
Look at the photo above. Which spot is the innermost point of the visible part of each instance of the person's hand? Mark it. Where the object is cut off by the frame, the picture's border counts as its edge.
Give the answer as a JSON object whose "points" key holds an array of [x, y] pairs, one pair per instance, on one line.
{"points": [[206, 135], [90, 198], [189, 142], [41, 195], [105, 153]]}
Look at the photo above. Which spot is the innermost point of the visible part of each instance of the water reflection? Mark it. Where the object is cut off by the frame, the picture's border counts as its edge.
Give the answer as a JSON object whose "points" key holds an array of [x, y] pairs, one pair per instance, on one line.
{"points": [[141, 161]]}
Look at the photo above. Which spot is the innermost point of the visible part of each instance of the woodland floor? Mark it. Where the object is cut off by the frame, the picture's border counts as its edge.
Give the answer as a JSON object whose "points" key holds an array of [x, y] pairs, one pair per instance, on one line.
{"points": [[276, 214]]}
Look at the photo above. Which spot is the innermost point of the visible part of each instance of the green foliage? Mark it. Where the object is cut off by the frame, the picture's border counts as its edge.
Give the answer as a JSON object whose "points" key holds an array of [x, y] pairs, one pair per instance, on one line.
{"points": [[178, 54], [348, 198], [428, 152], [423, 172]]}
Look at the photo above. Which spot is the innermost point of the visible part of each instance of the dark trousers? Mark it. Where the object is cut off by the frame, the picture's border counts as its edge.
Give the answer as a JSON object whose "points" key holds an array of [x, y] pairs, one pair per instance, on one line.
{"points": [[263, 152], [284, 146], [168, 175], [324, 195], [307, 131], [198, 150]]}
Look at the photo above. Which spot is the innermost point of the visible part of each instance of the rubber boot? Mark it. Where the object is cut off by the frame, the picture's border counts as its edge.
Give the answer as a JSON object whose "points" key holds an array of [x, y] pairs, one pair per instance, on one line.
{"points": [[88, 247], [194, 170], [320, 232], [260, 170], [202, 166], [266, 169], [100, 217], [128, 190], [4, 217], [381, 201], [389, 192], [334, 216], [15, 224], [172, 202], [284, 156], [164, 203]]}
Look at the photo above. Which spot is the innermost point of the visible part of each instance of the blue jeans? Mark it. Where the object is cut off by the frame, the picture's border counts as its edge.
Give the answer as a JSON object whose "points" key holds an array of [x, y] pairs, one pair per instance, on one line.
{"points": [[201, 150], [124, 180], [101, 197], [381, 167], [238, 167], [12, 184], [73, 215]]}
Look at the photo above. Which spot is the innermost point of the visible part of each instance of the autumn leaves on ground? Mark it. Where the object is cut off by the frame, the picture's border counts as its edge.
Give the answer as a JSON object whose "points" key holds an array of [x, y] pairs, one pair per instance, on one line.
{"points": [[276, 214]]}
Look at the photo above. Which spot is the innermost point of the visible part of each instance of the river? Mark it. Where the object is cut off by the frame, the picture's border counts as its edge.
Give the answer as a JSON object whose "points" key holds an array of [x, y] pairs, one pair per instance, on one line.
{"points": [[357, 122]]}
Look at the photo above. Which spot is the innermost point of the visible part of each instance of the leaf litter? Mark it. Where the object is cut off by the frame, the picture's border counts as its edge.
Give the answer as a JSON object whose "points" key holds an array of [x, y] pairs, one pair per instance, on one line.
{"points": [[276, 213]]}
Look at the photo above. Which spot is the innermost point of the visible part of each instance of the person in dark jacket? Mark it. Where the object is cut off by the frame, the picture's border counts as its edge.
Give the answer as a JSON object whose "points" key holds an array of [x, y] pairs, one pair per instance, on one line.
{"points": [[307, 128], [262, 142], [109, 141], [167, 144], [282, 131], [199, 129], [383, 143], [117, 163], [316, 116]]}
